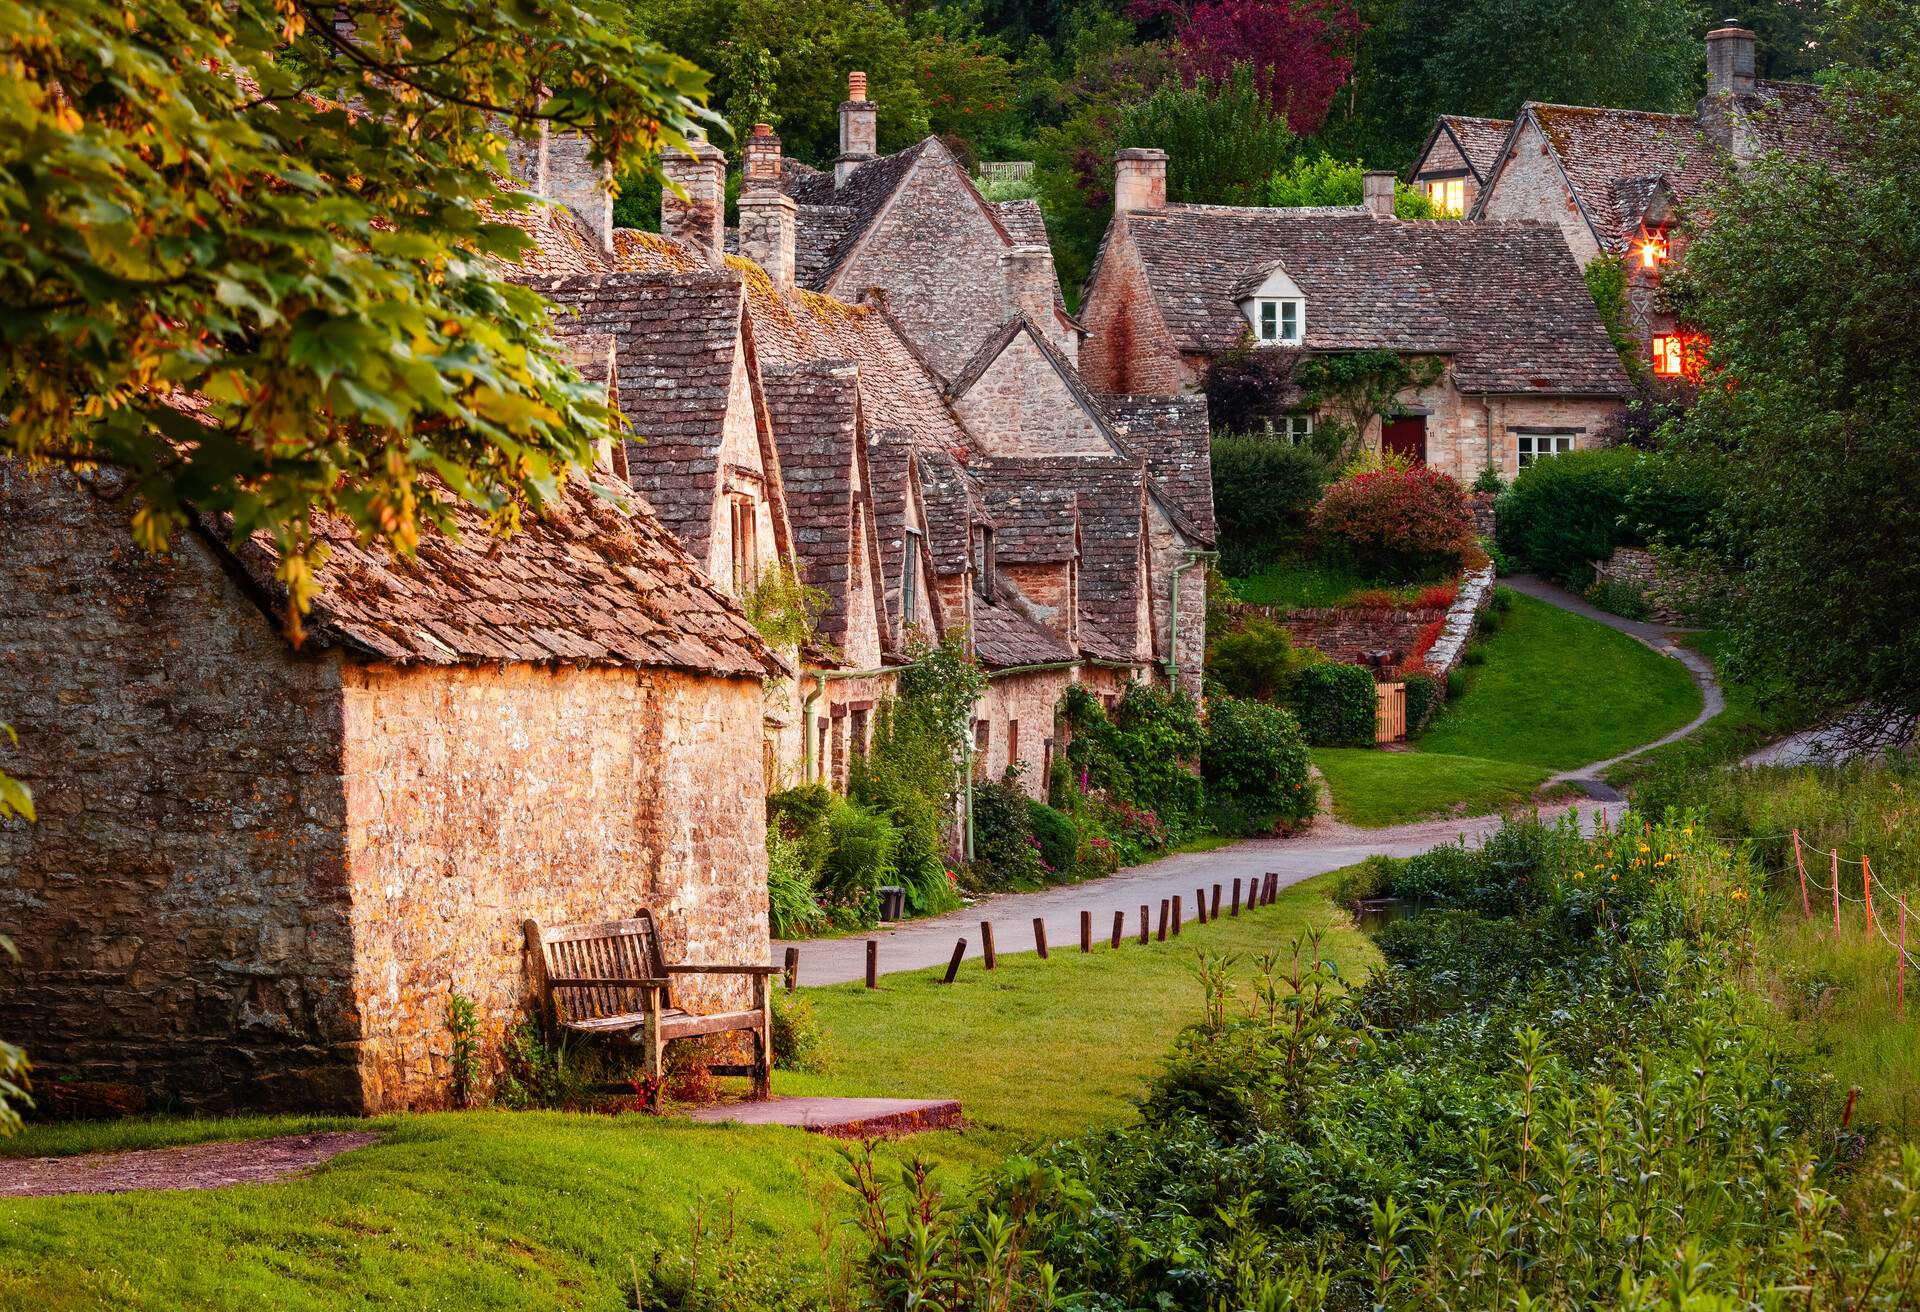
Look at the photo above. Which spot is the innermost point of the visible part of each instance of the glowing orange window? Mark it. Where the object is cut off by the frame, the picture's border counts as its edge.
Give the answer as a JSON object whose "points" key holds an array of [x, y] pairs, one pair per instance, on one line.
{"points": [[1669, 355], [1652, 249]]}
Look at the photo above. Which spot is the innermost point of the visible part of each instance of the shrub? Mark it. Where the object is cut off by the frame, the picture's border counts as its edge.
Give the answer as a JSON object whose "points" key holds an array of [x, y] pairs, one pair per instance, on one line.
{"points": [[1264, 492], [1055, 835], [1377, 876], [1441, 874], [1562, 515], [1423, 694], [1399, 524], [1096, 856], [1005, 852], [1257, 660], [792, 910], [1337, 705], [799, 1040], [859, 858], [1144, 755], [1619, 597], [1255, 760], [1489, 480]]}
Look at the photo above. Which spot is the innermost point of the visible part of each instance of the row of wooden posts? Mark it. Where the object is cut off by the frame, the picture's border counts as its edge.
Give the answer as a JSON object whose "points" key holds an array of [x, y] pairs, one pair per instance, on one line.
{"points": [[1259, 892]]}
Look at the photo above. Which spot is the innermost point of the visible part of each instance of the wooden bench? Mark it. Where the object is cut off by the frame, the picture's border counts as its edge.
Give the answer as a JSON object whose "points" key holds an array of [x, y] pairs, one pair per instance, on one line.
{"points": [[612, 979]]}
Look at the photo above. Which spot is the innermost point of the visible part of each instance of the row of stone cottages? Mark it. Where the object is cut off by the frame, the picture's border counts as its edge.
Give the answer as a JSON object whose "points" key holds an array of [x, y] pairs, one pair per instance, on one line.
{"points": [[260, 871]]}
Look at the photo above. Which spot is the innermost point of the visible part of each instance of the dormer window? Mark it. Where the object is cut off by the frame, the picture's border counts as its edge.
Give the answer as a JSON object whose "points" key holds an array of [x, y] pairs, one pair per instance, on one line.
{"points": [[1448, 196], [1280, 321], [1650, 249]]}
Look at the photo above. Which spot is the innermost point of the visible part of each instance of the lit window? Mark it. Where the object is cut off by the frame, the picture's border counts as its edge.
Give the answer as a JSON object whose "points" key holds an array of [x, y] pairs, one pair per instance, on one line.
{"points": [[1651, 249], [1678, 355], [1532, 446], [1299, 428], [1283, 322], [1448, 196], [910, 581]]}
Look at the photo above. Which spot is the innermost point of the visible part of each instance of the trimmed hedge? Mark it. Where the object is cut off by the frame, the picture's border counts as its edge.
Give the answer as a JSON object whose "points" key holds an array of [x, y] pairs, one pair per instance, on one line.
{"points": [[1562, 515], [1337, 705], [1264, 492], [1057, 836], [1255, 764], [1423, 694]]}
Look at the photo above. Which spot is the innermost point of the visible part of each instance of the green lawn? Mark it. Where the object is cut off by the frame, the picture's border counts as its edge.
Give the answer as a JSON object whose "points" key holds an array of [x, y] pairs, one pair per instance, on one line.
{"points": [[1743, 727], [1554, 691], [496, 1209], [1306, 584], [1372, 788]]}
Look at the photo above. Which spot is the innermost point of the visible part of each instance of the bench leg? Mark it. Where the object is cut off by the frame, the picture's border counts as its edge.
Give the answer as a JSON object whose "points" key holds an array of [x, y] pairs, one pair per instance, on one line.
{"points": [[652, 1048], [763, 1039]]}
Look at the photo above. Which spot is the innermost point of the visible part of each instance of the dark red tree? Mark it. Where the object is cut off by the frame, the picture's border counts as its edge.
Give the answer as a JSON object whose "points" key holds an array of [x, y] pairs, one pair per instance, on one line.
{"points": [[1301, 51]]}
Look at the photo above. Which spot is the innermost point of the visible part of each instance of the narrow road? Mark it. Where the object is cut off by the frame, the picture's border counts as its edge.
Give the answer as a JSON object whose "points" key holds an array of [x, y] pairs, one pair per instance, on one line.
{"points": [[921, 944]]}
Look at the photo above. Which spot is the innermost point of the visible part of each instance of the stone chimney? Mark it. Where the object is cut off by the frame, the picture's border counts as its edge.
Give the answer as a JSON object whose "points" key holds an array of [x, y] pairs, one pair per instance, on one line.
{"points": [[1378, 193], [558, 166], [859, 130], [1139, 179], [1729, 60], [766, 212], [699, 217], [1030, 282]]}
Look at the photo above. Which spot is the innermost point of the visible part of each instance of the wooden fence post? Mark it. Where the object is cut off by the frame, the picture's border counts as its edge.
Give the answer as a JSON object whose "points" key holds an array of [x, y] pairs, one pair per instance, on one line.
{"points": [[1213, 910], [1200, 905], [1176, 915], [953, 965], [1236, 898], [1800, 861], [1144, 935], [1866, 887], [1836, 892], [1120, 927], [873, 963], [791, 968], [1040, 936], [1086, 931], [1163, 920], [986, 944]]}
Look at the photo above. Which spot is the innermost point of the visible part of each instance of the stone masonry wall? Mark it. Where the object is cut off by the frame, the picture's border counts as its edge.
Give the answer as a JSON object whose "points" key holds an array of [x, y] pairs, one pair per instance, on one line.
{"points": [[1532, 187], [1347, 633], [1029, 700], [1020, 407], [483, 796], [938, 256], [1128, 349], [182, 905]]}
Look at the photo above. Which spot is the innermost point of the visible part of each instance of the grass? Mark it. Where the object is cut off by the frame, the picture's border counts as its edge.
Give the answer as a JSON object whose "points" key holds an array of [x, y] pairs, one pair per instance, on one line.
{"points": [[1372, 788], [1309, 585], [1743, 727], [1550, 691], [495, 1209]]}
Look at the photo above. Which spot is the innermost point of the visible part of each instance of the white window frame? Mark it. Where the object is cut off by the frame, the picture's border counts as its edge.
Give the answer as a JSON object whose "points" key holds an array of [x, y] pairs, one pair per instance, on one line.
{"points": [[1279, 306], [1448, 196], [1297, 426], [1531, 444]]}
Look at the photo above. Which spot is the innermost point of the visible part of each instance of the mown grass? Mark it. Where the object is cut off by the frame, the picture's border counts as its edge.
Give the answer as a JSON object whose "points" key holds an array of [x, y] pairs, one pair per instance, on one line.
{"points": [[496, 1209], [1310, 585], [1373, 788], [1747, 724]]}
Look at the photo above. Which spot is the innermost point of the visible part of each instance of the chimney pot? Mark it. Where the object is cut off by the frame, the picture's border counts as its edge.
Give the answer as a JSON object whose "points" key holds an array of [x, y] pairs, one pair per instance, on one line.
{"points": [[1379, 193], [1139, 179], [699, 218], [856, 86]]}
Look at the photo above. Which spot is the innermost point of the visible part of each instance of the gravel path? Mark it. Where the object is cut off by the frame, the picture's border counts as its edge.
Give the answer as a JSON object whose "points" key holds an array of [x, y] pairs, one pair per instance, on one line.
{"points": [[196, 1166]]}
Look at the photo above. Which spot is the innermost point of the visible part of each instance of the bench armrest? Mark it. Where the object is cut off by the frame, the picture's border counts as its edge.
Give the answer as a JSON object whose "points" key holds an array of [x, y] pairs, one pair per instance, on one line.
{"points": [[725, 970], [609, 982]]}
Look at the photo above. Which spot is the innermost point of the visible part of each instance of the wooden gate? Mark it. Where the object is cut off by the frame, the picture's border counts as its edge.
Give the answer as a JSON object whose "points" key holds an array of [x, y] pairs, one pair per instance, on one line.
{"points": [[1390, 719]]}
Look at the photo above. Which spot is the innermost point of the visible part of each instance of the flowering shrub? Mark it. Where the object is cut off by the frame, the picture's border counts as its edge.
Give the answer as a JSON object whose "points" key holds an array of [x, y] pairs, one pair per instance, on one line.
{"points": [[1005, 853], [1397, 524]]}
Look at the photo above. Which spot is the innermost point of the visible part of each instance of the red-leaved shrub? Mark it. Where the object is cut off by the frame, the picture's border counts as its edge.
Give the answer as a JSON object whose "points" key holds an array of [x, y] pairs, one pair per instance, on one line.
{"points": [[1397, 524]]}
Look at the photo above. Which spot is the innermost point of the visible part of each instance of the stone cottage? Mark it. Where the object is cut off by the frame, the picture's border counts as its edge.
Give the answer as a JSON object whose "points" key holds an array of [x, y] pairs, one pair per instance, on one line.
{"points": [[1614, 182], [261, 870], [1525, 365], [1456, 161]]}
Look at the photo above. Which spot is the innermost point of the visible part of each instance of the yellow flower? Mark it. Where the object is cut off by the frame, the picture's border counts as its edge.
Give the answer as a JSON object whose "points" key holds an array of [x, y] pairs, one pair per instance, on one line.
{"points": [[1739, 895], [1645, 848], [1615, 878]]}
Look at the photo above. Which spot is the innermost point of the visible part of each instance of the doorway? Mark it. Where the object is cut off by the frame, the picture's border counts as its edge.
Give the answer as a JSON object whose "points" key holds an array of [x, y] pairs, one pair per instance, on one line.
{"points": [[1406, 437]]}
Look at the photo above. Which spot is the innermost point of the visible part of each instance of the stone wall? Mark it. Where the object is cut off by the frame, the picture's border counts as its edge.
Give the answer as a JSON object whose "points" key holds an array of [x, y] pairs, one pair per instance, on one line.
{"points": [[1532, 187], [182, 906], [1128, 348], [1020, 407], [1028, 700], [1348, 633], [1672, 596]]}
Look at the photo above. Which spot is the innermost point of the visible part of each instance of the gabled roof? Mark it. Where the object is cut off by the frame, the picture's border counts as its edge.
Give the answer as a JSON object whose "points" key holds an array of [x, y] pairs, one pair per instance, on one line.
{"points": [[955, 503], [1005, 636], [1505, 299], [1173, 434], [1791, 118], [596, 580], [1033, 525], [1477, 139], [832, 220]]}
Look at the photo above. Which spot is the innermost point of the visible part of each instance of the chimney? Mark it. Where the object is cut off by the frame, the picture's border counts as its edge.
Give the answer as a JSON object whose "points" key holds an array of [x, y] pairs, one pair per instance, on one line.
{"points": [[1378, 194], [766, 212], [1729, 60], [1139, 179], [859, 130], [761, 159], [1027, 272], [566, 172], [699, 218]]}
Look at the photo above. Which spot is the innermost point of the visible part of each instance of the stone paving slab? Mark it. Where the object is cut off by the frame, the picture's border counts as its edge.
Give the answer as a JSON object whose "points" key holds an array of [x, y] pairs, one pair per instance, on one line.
{"points": [[841, 1118]]}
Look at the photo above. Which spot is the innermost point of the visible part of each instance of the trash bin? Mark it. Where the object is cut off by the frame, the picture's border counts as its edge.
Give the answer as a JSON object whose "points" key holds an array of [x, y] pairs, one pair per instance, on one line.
{"points": [[893, 902]]}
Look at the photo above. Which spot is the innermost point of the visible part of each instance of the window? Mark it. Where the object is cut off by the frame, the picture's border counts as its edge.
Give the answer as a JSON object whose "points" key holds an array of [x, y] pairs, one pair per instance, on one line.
{"points": [[1650, 248], [746, 556], [1541, 443], [983, 564], [1299, 428], [1448, 196], [1013, 741], [910, 581], [1678, 355], [857, 731], [1282, 322]]}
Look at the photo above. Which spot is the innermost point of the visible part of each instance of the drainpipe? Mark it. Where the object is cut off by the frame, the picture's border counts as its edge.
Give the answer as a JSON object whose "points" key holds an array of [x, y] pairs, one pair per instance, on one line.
{"points": [[1173, 617], [820, 680]]}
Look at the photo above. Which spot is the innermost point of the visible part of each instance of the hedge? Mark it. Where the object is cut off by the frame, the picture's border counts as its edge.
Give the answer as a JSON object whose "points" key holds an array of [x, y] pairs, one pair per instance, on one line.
{"points": [[1563, 515], [1337, 705], [1264, 492], [1255, 764]]}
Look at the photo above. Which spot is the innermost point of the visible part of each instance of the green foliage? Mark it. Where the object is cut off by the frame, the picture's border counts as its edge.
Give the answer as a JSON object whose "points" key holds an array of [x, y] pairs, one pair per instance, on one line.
{"points": [[1812, 435], [1365, 880], [1565, 513], [792, 910], [859, 858], [1255, 760], [844, 851], [1223, 140], [1256, 659], [1424, 694], [1264, 492], [1144, 757], [535, 1075], [784, 608], [1057, 838], [1351, 389], [195, 217], [1618, 597], [800, 1041], [1400, 525], [1005, 852], [1337, 705], [1606, 277], [1489, 480], [1323, 180], [463, 1023]]}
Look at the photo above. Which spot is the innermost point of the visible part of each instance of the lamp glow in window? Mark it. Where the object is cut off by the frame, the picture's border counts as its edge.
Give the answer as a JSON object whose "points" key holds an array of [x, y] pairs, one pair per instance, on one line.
{"points": [[1652, 249], [1448, 196], [1669, 355]]}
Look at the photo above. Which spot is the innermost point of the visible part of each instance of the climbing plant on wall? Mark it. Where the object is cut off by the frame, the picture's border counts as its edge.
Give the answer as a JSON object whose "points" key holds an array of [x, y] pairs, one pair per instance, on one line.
{"points": [[1350, 389]]}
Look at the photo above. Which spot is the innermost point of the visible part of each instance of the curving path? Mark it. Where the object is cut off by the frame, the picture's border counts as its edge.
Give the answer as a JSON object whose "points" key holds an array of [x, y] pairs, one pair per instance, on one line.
{"points": [[920, 944]]}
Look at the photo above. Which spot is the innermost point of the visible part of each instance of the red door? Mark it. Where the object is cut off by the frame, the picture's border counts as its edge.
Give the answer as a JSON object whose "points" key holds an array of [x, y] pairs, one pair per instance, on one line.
{"points": [[1406, 437]]}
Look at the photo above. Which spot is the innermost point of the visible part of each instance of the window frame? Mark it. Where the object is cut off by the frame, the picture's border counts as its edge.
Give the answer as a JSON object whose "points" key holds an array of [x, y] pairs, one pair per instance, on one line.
{"points": [[910, 581], [1561, 442], [1279, 307], [1435, 188], [1297, 426]]}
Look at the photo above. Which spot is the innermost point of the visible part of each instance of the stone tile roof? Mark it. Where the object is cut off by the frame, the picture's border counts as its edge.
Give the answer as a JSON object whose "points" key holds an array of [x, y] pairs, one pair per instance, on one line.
{"points": [[1173, 434], [1504, 299], [814, 410], [1033, 525], [955, 503], [597, 580], [1479, 140], [678, 334], [831, 220], [1110, 497], [1004, 636], [1791, 118], [561, 242], [1598, 148]]}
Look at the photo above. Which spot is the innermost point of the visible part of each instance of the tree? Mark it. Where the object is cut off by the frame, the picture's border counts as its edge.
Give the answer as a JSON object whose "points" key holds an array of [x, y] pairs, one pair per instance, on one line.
{"points": [[1805, 286], [1324, 180], [1301, 51], [1223, 140]]}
